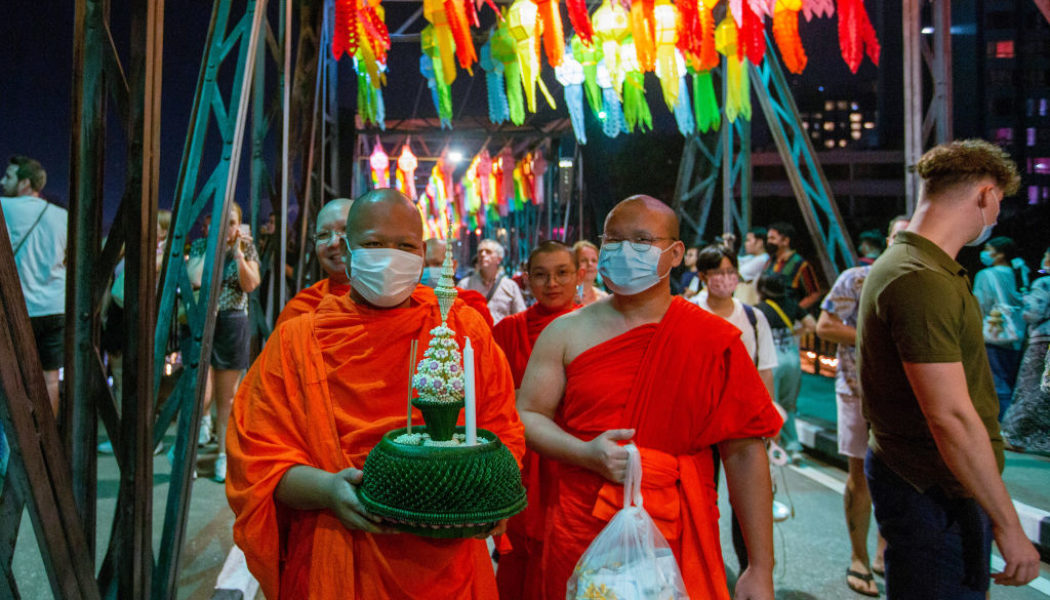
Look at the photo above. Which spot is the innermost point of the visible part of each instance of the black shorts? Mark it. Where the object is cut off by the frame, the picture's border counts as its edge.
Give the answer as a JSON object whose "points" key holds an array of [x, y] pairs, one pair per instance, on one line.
{"points": [[231, 347], [50, 334]]}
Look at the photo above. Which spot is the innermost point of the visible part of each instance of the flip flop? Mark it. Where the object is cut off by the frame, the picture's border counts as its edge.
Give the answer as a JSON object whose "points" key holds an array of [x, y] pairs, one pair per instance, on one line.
{"points": [[867, 577], [879, 572]]}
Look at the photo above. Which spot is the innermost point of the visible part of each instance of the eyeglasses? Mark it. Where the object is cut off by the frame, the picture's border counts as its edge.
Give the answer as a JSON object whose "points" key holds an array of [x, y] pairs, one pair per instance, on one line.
{"points": [[640, 243], [327, 237], [561, 277]]}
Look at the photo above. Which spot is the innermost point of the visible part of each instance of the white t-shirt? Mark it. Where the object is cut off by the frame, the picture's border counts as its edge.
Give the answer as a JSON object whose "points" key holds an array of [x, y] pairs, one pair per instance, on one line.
{"points": [[751, 266], [41, 261], [506, 300], [760, 334]]}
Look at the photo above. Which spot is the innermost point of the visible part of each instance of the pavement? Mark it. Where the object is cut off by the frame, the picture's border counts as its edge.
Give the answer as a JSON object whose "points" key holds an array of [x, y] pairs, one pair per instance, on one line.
{"points": [[1027, 476]]}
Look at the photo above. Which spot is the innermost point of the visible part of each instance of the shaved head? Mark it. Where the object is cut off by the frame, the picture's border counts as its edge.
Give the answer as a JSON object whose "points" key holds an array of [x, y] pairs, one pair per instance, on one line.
{"points": [[331, 225], [435, 252], [335, 210], [646, 213], [385, 205]]}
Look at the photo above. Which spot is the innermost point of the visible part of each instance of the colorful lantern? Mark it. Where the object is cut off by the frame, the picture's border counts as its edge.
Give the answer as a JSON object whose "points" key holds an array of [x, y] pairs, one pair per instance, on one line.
{"points": [[588, 57], [856, 35], [643, 30], [752, 35], [683, 109], [553, 32], [441, 45], [503, 51], [456, 15], [483, 170], [708, 58], [705, 106], [522, 18], [499, 109], [506, 189], [785, 33], [440, 92], [406, 171], [635, 107], [380, 164], [344, 35], [738, 92], [818, 8], [666, 18], [580, 20], [570, 75], [612, 26], [614, 122], [539, 169]]}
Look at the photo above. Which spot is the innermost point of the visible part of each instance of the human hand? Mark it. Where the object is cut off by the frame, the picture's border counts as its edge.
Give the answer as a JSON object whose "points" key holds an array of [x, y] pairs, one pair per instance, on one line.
{"points": [[499, 529], [754, 584], [1021, 557], [344, 503], [607, 458]]}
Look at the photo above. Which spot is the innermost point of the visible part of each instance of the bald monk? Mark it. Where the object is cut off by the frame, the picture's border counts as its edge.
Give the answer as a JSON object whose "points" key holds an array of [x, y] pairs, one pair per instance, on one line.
{"points": [[553, 274], [329, 235], [432, 261], [644, 366], [325, 389]]}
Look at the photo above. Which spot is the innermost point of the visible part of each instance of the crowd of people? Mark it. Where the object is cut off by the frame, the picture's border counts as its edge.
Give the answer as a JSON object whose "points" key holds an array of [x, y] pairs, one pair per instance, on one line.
{"points": [[586, 347]]}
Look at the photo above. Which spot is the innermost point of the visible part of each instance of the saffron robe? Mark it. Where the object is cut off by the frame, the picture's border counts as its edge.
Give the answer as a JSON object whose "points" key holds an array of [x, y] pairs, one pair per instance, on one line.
{"points": [[519, 574], [685, 384], [324, 390], [307, 300], [476, 300]]}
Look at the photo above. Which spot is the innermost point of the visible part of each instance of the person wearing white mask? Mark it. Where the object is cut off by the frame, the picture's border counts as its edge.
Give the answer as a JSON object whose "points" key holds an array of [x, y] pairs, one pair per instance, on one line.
{"points": [[647, 366], [326, 388], [935, 453]]}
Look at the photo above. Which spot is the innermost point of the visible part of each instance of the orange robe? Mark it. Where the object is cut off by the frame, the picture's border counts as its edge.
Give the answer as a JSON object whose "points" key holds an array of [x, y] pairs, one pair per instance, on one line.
{"points": [[684, 384], [324, 390], [307, 300], [475, 300], [519, 574]]}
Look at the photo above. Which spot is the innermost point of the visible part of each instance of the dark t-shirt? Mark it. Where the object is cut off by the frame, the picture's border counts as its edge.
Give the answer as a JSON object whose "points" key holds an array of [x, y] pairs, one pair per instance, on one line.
{"points": [[916, 306], [783, 332]]}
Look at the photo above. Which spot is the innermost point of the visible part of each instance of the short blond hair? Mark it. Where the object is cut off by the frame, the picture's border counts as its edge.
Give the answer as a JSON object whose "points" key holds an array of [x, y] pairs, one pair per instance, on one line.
{"points": [[580, 245], [967, 161], [164, 219]]}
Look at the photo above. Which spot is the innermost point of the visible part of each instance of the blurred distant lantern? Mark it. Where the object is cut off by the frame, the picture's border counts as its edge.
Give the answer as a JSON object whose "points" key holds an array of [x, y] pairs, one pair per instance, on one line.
{"points": [[380, 163], [406, 171]]}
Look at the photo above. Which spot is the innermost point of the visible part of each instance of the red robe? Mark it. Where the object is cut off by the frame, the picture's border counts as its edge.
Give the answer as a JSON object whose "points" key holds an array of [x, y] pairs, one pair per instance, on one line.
{"points": [[476, 300], [324, 390], [307, 300], [519, 574], [685, 384]]}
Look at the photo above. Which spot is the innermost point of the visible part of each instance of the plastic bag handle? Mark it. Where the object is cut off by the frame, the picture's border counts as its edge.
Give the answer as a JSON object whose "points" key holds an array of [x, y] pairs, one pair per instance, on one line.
{"points": [[632, 484]]}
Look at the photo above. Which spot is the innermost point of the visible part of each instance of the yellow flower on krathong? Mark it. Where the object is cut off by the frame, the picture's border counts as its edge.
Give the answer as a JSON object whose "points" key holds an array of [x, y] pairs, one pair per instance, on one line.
{"points": [[601, 592]]}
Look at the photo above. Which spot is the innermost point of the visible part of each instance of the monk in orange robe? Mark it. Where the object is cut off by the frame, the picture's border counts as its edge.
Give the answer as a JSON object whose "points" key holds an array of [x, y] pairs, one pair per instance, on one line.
{"points": [[329, 236], [325, 389], [434, 257], [642, 365], [553, 275]]}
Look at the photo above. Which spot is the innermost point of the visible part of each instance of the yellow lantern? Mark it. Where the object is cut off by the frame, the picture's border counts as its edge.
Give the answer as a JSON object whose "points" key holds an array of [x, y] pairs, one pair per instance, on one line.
{"points": [[521, 19], [611, 27], [434, 12], [666, 16]]}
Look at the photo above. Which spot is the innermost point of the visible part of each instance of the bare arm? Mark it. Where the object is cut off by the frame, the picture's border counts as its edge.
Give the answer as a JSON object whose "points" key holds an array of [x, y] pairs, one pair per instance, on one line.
{"points": [[767, 380], [195, 270], [830, 328], [307, 488], [810, 299], [541, 391], [248, 274], [963, 444], [751, 494]]}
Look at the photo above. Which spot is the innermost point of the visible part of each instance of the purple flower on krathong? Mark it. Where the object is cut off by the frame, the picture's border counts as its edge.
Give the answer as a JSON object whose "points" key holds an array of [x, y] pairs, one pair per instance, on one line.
{"points": [[439, 386], [457, 385], [434, 365], [421, 381], [453, 368]]}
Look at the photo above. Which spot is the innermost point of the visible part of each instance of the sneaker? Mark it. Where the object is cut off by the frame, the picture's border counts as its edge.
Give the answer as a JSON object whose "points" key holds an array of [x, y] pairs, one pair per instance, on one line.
{"points": [[220, 468], [780, 512], [204, 436], [105, 447]]}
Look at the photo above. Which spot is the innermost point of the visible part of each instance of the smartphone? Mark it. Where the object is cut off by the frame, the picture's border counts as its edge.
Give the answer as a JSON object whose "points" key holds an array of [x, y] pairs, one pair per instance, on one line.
{"points": [[246, 230]]}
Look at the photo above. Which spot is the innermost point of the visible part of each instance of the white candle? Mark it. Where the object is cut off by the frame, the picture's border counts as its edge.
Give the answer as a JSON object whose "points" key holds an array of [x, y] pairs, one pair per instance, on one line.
{"points": [[469, 397]]}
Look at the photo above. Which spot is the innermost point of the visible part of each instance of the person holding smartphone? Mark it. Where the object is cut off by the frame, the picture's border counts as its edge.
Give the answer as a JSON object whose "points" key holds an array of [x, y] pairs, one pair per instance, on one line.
{"points": [[230, 353]]}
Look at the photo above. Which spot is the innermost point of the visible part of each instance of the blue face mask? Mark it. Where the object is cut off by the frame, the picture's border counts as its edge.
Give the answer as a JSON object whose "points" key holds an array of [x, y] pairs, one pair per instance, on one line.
{"points": [[431, 276], [986, 258], [985, 233], [627, 271]]}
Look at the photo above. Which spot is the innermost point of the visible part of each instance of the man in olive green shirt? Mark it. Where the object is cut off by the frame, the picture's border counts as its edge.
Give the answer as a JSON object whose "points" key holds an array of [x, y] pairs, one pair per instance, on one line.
{"points": [[935, 453]]}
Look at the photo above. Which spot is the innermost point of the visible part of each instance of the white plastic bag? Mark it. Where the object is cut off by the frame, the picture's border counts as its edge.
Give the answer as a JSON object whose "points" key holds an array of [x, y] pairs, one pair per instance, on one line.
{"points": [[630, 559]]}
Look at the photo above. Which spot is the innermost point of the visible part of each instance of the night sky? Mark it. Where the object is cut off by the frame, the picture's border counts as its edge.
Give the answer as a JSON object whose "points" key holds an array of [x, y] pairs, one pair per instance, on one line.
{"points": [[36, 75]]}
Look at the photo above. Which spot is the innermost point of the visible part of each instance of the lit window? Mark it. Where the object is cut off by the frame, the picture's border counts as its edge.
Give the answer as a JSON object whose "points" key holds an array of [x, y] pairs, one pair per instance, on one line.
{"points": [[855, 116], [1042, 107], [842, 143], [869, 125], [1004, 49], [1033, 194], [1030, 136], [842, 105], [1004, 135], [814, 135], [855, 135], [829, 105], [854, 126], [829, 126], [829, 143]]}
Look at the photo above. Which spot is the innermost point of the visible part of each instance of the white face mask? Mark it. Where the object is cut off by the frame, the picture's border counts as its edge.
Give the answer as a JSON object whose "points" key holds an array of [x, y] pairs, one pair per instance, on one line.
{"points": [[383, 276], [627, 271]]}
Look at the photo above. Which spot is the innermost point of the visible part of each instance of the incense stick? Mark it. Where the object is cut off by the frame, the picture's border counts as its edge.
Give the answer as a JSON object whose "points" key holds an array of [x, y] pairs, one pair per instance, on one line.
{"points": [[411, 370]]}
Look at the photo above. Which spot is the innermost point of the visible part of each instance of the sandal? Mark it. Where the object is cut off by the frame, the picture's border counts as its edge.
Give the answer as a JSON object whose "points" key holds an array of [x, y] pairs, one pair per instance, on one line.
{"points": [[866, 577], [881, 572]]}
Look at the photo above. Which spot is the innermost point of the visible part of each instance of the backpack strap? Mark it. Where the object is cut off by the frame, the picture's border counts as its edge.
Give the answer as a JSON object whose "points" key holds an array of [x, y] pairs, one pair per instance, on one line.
{"points": [[780, 311], [29, 232], [753, 320], [495, 286]]}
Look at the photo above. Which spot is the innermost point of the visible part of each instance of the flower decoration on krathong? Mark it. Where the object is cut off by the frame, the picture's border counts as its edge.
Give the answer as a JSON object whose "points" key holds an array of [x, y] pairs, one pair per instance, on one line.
{"points": [[570, 75], [738, 91], [439, 375], [856, 35], [406, 171], [380, 166], [785, 33]]}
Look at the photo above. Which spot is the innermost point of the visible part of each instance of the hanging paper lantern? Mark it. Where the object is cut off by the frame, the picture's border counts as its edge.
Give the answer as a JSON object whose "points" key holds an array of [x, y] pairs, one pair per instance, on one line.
{"points": [[539, 169], [370, 106], [856, 35], [666, 18], [380, 164], [483, 170], [690, 33], [705, 106], [553, 32], [708, 58], [818, 8], [442, 41], [612, 26], [522, 19], [499, 110], [635, 107], [440, 93], [588, 57], [683, 110], [344, 34], [738, 91], [456, 15], [506, 191], [643, 30], [570, 75], [503, 51], [406, 171], [785, 33], [580, 20], [614, 122], [751, 40]]}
